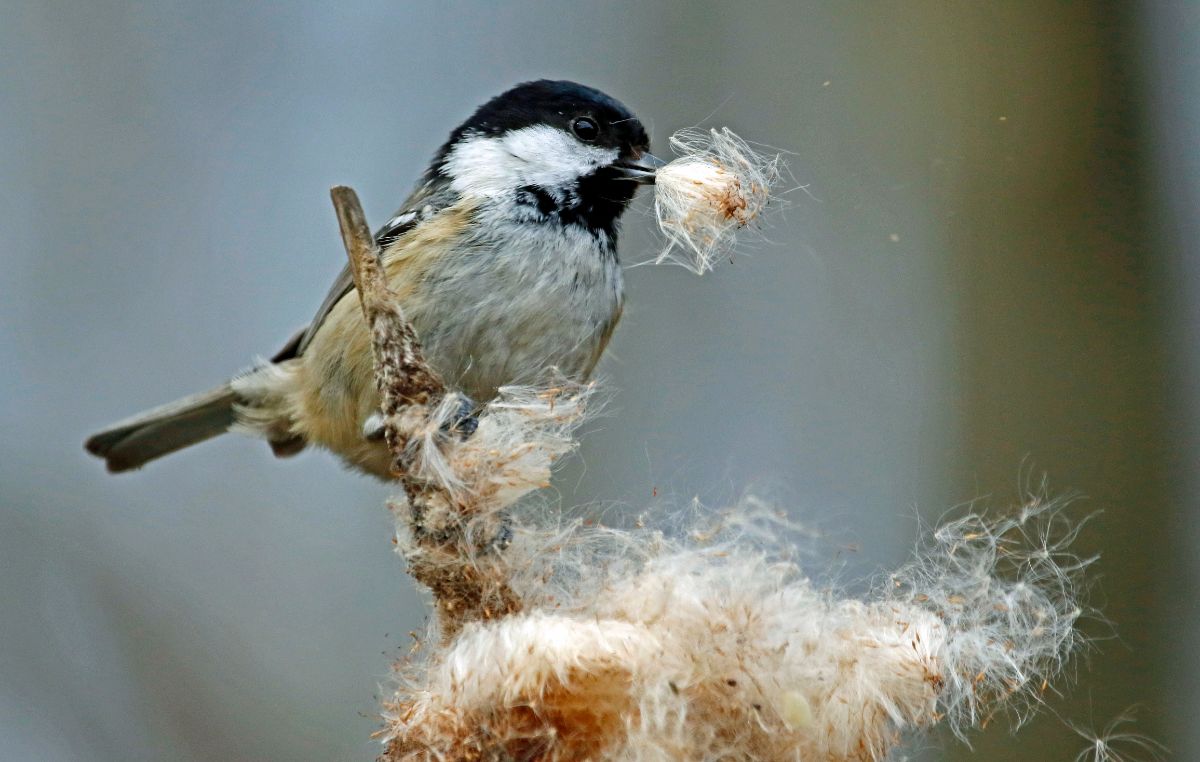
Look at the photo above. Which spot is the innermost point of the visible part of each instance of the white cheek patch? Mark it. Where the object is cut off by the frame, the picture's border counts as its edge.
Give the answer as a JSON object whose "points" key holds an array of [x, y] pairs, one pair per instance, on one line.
{"points": [[543, 156]]}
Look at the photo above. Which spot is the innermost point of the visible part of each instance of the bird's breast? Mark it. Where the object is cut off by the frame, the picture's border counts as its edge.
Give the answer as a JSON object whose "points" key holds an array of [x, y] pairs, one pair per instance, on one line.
{"points": [[505, 304]]}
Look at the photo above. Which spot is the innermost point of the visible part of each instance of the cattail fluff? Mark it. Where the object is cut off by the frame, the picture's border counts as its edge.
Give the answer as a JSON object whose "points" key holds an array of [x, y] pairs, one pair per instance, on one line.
{"points": [[637, 646], [521, 434], [718, 186], [1117, 743]]}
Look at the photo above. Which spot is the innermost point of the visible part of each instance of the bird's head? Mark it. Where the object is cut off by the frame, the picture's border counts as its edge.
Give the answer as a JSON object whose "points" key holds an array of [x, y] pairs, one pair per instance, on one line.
{"points": [[550, 151]]}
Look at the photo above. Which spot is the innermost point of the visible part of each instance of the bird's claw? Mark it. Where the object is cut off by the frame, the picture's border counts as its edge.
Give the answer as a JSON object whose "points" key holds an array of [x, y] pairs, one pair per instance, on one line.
{"points": [[374, 428], [464, 422]]}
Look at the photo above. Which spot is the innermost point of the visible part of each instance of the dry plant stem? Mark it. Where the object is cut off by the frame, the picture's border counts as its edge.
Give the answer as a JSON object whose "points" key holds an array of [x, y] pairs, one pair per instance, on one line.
{"points": [[468, 581]]}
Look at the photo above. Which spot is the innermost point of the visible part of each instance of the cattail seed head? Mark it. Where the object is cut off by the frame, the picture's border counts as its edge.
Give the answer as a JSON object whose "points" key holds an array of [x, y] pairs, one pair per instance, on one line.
{"points": [[713, 643]]}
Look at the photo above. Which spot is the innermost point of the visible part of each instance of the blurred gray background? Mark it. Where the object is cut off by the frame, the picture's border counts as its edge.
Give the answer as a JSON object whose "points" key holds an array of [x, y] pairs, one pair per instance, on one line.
{"points": [[993, 268]]}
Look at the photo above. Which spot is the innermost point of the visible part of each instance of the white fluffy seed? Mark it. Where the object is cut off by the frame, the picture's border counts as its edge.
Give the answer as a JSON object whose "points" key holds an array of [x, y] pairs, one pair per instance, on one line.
{"points": [[718, 186]]}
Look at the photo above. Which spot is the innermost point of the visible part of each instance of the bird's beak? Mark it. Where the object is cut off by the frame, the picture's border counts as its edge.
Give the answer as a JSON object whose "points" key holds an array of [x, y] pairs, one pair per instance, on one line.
{"points": [[640, 169]]}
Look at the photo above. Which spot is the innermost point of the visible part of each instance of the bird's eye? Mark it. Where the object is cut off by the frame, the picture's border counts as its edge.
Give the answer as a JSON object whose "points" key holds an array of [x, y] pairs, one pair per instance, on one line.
{"points": [[586, 129]]}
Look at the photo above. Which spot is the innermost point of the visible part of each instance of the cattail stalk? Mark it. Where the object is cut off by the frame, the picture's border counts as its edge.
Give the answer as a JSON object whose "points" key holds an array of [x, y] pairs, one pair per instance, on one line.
{"points": [[466, 580]]}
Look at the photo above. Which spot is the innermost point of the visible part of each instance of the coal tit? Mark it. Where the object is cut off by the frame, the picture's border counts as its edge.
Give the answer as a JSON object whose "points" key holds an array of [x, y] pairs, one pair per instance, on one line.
{"points": [[504, 257]]}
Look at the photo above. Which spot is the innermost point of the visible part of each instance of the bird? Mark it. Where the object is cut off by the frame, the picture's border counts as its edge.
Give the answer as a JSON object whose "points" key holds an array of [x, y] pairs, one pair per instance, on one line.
{"points": [[503, 258]]}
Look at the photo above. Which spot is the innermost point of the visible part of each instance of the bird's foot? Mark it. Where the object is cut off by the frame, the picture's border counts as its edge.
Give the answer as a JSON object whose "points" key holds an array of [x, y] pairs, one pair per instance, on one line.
{"points": [[374, 428], [463, 422]]}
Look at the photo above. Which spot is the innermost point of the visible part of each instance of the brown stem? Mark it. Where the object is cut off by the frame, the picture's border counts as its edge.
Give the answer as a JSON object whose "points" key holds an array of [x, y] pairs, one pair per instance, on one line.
{"points": [[468, 581]]}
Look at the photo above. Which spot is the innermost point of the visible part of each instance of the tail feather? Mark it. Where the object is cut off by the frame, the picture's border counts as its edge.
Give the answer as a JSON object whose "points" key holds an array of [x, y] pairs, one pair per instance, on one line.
{"points": [[136, 441]]}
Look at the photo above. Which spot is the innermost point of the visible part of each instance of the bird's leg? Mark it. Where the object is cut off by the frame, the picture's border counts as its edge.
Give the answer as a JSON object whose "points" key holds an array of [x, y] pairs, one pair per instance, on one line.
{"points": [[464, 421], [375, 427]]}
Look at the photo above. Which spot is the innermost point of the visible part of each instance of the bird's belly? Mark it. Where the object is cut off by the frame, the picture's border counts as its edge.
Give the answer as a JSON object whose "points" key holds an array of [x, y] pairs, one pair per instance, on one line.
{"points": [[506, 320]]}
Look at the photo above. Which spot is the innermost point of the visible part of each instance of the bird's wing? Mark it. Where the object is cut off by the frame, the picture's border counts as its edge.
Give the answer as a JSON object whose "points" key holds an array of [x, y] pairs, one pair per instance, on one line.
{"points": [[424, 203]]}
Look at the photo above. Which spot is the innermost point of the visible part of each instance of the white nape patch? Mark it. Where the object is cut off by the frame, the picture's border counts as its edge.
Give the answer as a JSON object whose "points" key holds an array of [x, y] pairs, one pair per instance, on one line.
{"points": [[542, 156]]}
